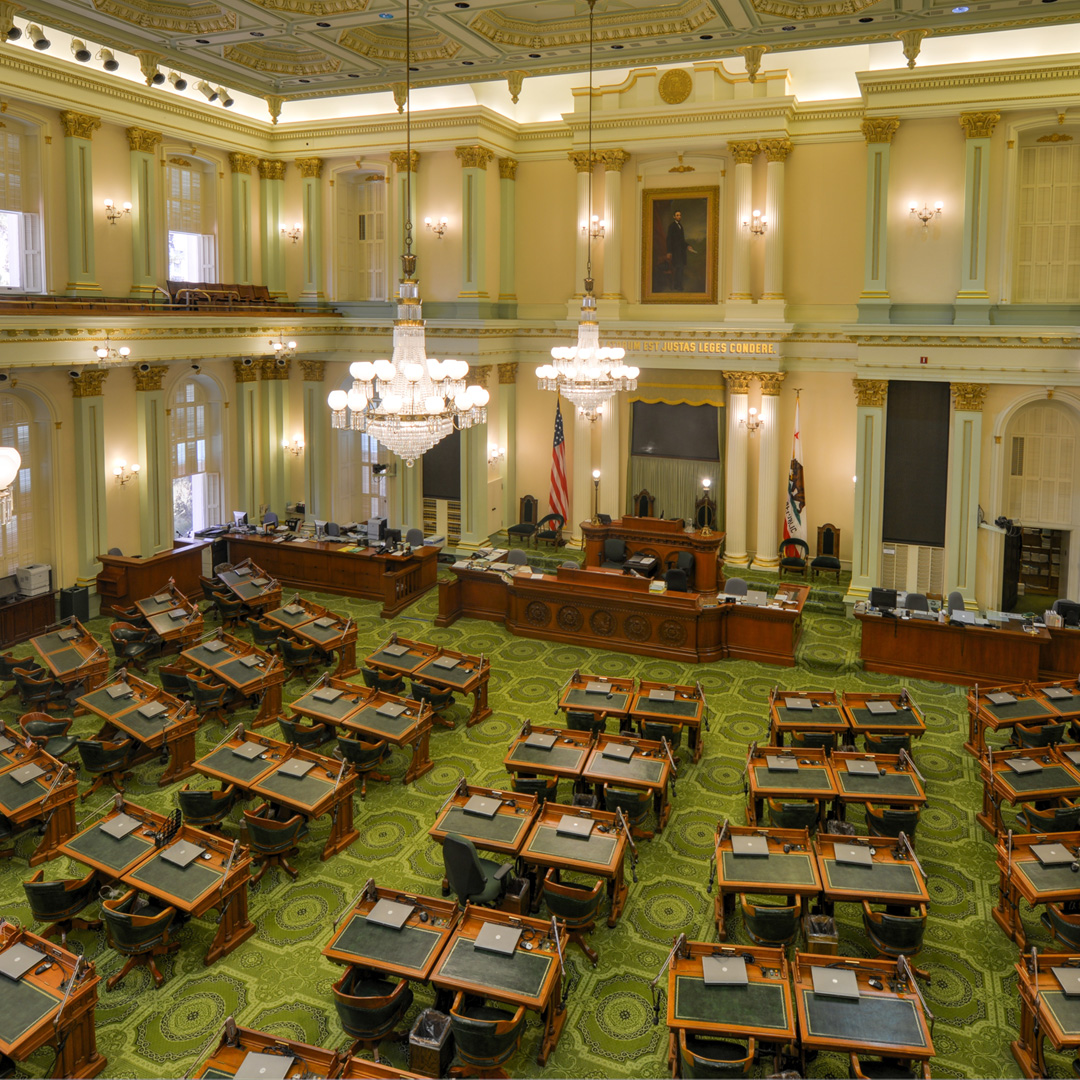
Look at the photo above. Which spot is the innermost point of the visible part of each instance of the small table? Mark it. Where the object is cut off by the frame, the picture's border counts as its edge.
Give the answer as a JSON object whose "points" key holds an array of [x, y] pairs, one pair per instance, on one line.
{"points": [[178, 631], [35, 1012], [649, 769], [248, 670], [586, 693], [338, 635], [237, 1043], [905, 719], [1046, 1012], [504, 833], [686, 706], [1022, 875], [532, 978], [48, 798], [1055, 778], [73, 655], [984, 715], [565, 758], [812, 778], [248, 583], [895, 782], [892, 877], [824, 713]]}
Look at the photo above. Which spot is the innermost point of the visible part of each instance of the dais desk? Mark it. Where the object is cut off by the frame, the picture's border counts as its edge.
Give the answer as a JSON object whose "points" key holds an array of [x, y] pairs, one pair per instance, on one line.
{"points": [[124, 579]]}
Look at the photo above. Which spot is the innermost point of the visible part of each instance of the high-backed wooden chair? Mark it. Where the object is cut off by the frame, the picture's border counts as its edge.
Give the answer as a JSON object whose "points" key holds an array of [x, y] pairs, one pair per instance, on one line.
{"points": [[527, 515], [705, 512], [827, 558], [644, 504]]}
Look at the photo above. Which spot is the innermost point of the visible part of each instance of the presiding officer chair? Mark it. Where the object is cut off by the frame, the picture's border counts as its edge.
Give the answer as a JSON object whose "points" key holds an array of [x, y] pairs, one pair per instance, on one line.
{"points": [[644, 504], [527, 514], [827, 559], [472, 879], [485, 1037], [140, 934]]}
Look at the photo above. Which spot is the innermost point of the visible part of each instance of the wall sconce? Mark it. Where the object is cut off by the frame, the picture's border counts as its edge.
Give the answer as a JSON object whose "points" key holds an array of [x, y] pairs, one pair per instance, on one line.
{"points": [[595, 228], [751, 422], [121, 473], [296, 447], [113, 213], [495, 454], [281, 346], [756, 224], [294, 233], [10, 463], [925, 215], [437, 227], [108, 351]]}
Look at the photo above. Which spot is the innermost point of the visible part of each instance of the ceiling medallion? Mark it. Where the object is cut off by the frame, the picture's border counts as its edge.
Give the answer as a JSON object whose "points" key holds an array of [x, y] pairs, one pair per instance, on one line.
{"points": [[675, 86]]}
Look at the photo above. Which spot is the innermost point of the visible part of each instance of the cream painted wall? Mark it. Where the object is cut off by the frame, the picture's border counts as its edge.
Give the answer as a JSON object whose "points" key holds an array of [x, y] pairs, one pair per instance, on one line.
{"points": [[546, 198], [438, 193]]}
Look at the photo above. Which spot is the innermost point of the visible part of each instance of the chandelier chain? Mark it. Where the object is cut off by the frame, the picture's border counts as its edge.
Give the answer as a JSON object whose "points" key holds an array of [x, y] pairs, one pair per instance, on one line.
{"points": [[589, 233]]}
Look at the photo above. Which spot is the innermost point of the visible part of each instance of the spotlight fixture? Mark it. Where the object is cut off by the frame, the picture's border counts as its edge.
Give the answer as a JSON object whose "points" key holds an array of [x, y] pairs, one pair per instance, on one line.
{"points": [[80, 51], [122, 474], [756, 223], [437, 227], [223, 94], [108, 61], [37, 36], [281, 346], [294, 233], [178, 81], [113, 213], [14, 34], [158, 78], [926, 215], [207, 91]]}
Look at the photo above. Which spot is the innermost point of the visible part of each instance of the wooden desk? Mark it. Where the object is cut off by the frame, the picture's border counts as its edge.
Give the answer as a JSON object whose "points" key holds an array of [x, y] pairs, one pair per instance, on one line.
{"points": [[1059, 658], [237, 1043], [660, 538], [648, 770], [1046, 1012], [159, 610], [1066, 708], [1029, 708], [582, 693], [1022, 876], [48, 799], [812, 779], [73, 655], [503, 834], [892, 878], [532, 978], [1056, 778], [123, 579], [565, 759], [253, 586], [824, 714], [906, 719], [601, 854], [421, 661], [34, 1012], [23, 618], [947, 652], [170, 733], [789, 869], [262, 676], [410, 952], [395, 580], [894, 784], [339, 635], [360, 1068], [686, 708]]}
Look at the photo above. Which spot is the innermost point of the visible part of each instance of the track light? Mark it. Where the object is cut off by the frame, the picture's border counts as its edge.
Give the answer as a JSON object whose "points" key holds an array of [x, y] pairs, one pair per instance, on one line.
{"points": [[157, 79], [108, 61], [79, 50], [223, 94], [178, 82], [37, 36], [207, 91], [14, 34]]}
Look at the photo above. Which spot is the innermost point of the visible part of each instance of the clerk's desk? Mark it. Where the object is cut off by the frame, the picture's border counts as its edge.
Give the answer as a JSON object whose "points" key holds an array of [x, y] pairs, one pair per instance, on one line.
{"points": [[44, 1008], [1046, 1012], [124, 579], [237, 1042]]}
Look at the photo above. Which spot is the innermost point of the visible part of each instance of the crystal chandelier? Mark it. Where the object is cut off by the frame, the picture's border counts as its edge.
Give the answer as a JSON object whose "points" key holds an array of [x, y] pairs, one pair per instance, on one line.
{"points": [[587, 374], [409, 402]]}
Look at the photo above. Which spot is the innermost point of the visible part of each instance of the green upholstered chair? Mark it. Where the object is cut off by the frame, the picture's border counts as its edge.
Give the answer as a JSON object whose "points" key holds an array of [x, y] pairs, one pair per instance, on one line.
{"points": [[134, 645], [485, 1037], [52, 734], [576, 905], [272, 841], [8, 663], [264, 633], [231, 608], [370, 1007], [388, 684], [1063, 926], [1039, 735], [793, 815], [887, 1069], [365, 758], [614, 553], [814, 740], [306, 736], [129, 615], [472, 879], [38, 688], [528, 513], [545, 788], [439, 700], [713, 1059], [892, 934], [58, 903], [578, 720], [107, 762], [301, 658], [174, 677], [141, 934], [770, 924], [655, 730], [827, 559], [211, 699], [549, 530], [207, 809], [886, 743], [1063, 818], [633, 802], [794, 556], [892, 821]]}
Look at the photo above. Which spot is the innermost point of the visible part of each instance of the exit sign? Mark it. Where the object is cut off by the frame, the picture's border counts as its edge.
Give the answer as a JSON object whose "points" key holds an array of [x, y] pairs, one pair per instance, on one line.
{"points": [[924, 359]]}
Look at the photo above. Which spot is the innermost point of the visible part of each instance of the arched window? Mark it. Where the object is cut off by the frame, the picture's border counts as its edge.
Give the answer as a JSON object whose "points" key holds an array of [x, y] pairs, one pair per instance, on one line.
{"points": [[191, 219], [196, 457], [18, 534], [360, 265], [20, 217]]}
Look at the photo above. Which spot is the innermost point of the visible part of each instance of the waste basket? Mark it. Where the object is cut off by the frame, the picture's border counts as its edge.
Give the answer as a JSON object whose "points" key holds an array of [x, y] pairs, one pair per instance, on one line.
{"points": [[431, 1044], [75, 601]]}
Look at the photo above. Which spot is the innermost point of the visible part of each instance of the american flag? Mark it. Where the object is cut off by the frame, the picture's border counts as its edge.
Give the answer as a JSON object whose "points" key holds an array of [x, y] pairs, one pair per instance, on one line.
{"points": [[558, 496]]}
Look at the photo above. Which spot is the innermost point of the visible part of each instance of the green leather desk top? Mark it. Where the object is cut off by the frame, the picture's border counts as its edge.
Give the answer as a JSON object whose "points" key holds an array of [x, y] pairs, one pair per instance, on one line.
{"points": [[809, 778], [1048, 879], [523, 973], [567, 759], [500, 829], [1023, 709], [184, 883], [681, 707], [902, 784], [281, 616], [336, 710], [794, 868], [872, 1020], [640, 770], [244, 772], [902, 718], [408, 661], [598, 850], [305, 790], [410, 947], [1048, 778], [454, 676], [14, 796], [757, 1004], [1065, 1010], [828, 715], [22, 1005], [393, 726], [878, 879], [615, 702], [118, 855]]}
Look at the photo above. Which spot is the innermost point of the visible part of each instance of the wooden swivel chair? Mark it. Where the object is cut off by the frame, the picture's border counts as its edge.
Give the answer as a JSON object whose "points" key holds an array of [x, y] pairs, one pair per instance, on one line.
{"points": [[211, 699], [365, 758], [794, 556], [655, 730], [264, 633], [52, 734], [892, 821], [173, 677], [576, 906], [703, 1058], [1062, 818], [644, 504], [827, 558], [272, 841], [134, 645], [485, 1037], [580, 720], [1063, 925], [784, 814], [527, 515], [814, 740], [634, 803], [8, 663], [388, 684], [107, 762], [886, 743], [887, 1069], [439, 700], [769, 924], [549, 530], [892, 934], [306, 736], [1039, 735], [301, 658], [142, 935], [472, 879], [545, 788], [58, 903], [370, 1007], [37, 687], [204, 809]]}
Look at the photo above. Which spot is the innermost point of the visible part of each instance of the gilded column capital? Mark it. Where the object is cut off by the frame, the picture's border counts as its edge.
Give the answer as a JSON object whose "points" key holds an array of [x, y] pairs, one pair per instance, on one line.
{"points": [[508, 374], [775, 149], [398, 157], [274, 368], [479, 375], [241, 163], [245, 370], [151, 379], [508, 168], [310, 167], [473, 157], [312, 370], [979, 125], [738, 382], [142, 141], [877, 129], [79, 125], [581, 161], [743, 152], [870, 393], [968, 397], [613, 160], [89, 383], [271, 170], [770, 383]]}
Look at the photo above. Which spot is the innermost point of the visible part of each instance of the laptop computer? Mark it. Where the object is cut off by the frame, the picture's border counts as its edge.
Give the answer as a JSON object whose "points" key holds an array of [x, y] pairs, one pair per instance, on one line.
{"points": [[756, 846], [249, 751], [723, 971], [181, 853], [327, 693], [118, 690], [390, 708], [1001, 698], [880, 708], [152, 709], [1052, 854], [162, 598], [119, 826], [256, 1066], [293, 609], [539, 741], [862, 767], [966, 618], [446, 662], [1023, 765], [835, 982], [798, 703], [598, 688], [396, 650], [1068, 979], [661, 695], [479, 806], [251, 660], [177, 614], [242, 571], [853, 854], [5, 743], [213, 646], [756, 598], [782, 763], [18, 960], [575, 826], [26, 773], [390, 913], [497, 939], [618, 751], [68, 635], [296, 768], [260, 581], [324, 622], [1072, 755], [1057, 693]]}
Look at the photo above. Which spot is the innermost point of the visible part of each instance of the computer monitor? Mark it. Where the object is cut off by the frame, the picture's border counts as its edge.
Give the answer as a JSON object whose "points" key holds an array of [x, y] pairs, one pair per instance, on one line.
{"points": [[882, 598], [9, 588], [393, 537], [239, 517], [292, 524], [1069, 610]]}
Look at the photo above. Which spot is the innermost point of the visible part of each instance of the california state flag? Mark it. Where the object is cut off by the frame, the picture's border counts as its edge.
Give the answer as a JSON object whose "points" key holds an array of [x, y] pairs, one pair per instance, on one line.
{"points": [[795, 504]]}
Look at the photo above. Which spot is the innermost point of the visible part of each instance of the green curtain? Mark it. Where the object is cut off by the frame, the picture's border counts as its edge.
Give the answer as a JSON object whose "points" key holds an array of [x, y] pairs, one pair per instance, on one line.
{"points": [[676, 483]]}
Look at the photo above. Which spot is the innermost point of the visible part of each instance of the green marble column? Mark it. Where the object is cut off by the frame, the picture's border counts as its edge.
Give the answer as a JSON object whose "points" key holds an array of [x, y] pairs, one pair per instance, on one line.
{"points": [[241, 165], [91, 521], [316, 440], [311, 199], [272, 190], [144, 210], [474, 162], [869, 482], [874, 301], [962, 523], [152, 449], [79, 184]]}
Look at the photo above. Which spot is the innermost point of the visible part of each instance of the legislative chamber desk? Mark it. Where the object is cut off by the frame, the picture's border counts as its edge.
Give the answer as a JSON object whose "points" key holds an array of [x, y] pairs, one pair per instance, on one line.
{"points": [[320, 627], [124, 579], [43, 1008], [48, 799], [808, 776], [249, 670], [73, 655], [950, 652], [1059, 658], [904, 719], [1022, 876], [801, 710], [1054, 776], [894, 876], [173, 617], [396, 580], [648, 769], [604, 609], [685, 707], [503, 833], [1029, 708], [1046, 1012], [229, 1056], [563, 759]]}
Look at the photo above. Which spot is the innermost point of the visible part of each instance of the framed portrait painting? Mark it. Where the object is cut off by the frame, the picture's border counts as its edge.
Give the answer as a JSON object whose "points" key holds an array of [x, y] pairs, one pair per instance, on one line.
{"points": [[679, 245]]}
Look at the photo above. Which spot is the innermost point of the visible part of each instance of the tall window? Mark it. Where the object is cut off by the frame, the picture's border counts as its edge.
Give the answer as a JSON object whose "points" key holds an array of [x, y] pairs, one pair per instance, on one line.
{"points": [[361, 237], [17, 536], [196, 459], [20, 223], [191, 220], [1042, 449], [358, 493], [1048, 224]]}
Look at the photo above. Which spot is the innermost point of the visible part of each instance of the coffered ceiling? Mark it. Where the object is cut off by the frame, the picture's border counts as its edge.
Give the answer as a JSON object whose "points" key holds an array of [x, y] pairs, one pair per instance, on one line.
{"points": [[315, 48]]}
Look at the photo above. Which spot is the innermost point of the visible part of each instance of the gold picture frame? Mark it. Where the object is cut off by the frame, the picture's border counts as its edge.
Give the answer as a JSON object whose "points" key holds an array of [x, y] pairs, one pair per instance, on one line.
{"points": [[679, 267]]}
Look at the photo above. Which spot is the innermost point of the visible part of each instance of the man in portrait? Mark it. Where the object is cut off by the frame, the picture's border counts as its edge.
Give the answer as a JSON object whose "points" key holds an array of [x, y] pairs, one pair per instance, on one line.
{"points": [[677, 248]]}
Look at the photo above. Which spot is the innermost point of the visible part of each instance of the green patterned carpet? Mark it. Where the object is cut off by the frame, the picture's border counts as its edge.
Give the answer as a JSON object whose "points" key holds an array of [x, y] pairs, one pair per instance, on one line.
{"points": [[279, 981]]}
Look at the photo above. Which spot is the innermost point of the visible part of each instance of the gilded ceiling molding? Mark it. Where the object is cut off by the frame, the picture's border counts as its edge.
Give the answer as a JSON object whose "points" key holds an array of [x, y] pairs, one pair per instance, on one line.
{"points": [[242, 163], [474, 157], [142, 141], [310, 167], [1055, 137], [508, 168], [79, 125], [89, 383], [264, 57], [312, 370], [148, 64], [479, 375], [613, 160], [397, 159], [743, 153], [870, 393], [969, 397], [738, 382], [796, 9], [514, 79], [375, 46], [508, 374], [273, 106], [979, 125], [274, 368], [770, 383], [775, 149], [153, 379], [880, 129], [581, 161], [912, 40], [7, 18], [400, 91], [195, 18], [244, 371], [675, 86], [752, 54], [271, 170], [317, 8]]}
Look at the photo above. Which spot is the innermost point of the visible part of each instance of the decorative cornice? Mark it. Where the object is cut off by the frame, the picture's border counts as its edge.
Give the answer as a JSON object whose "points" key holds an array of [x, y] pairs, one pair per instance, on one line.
{"points": [[242, 163], [743, 153], [271, 170], [89, 383], [479, 375], [613, 160], [1054, 137], [142, 141], [151, 379], [880, 129], [244, 372], [274, 368], [473, 157], [979, 125], [79, 125], [775, 149], [508, 168], [310, 167], [969, 397], [770, 383], [397, 157], [870, 393], [738, 382], [508, 374], [312, 370]]}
